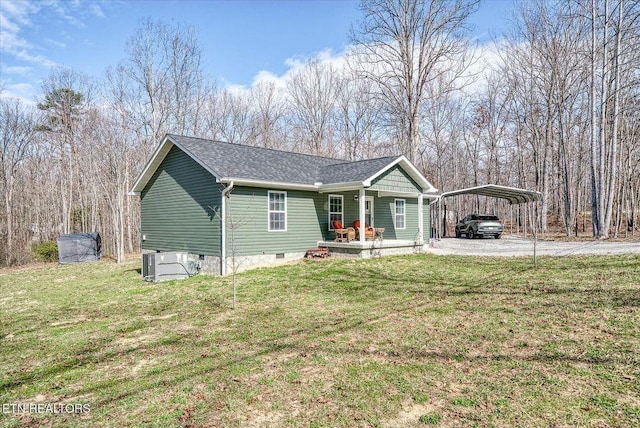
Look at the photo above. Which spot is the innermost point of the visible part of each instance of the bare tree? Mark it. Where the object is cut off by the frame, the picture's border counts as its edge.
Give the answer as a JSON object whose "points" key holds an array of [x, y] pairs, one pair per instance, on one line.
{"points": [[358, 118], [17, 131], [313, 92], [269, 115], [609, 27], [405, 44], [164, 63], [68, 95]]}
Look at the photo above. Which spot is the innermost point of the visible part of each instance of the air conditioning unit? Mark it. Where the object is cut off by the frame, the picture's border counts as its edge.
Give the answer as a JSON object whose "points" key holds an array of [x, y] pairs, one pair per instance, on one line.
{"points": [[158, 267]]}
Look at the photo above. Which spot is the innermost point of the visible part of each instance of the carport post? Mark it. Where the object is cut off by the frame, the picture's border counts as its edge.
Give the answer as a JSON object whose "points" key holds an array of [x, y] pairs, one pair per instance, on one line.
{"points": [[444, 222], [535, 235], [439, 217], [511, 219]]}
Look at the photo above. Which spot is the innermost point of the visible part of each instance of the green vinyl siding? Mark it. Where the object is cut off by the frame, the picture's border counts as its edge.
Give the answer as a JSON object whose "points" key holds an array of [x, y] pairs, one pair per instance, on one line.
{"points": [[248, 216], [351, 212], [177, 207], [384, 209], [395, 180]]}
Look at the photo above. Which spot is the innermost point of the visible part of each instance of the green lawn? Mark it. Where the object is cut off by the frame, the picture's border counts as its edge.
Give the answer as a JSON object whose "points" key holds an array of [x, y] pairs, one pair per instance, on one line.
{"points": [[418, 340]]}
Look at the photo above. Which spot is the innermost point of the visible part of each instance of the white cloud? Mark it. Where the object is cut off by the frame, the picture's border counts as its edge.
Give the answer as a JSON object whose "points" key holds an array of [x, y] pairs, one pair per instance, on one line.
{"points": [[25, 92], [11, 42], [294, 64], [67, 11], [34, 58], [236, 89], [96, 10], [16, 70], [17, 15], [7, 25], [488, 57], [56, 43], [14, 16], [265, 76], [18, 10]]}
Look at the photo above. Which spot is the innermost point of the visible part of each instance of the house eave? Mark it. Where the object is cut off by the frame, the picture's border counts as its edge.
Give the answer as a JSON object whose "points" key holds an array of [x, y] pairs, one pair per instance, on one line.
{"points": [[269, 184], [410, 169], [388, 193], [340, 187], [156, 159]]}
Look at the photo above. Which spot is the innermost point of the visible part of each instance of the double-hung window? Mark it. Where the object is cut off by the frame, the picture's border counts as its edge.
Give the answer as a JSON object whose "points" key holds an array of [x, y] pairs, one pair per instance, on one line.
{"points": [[277, 211], [400, 218], [336, 210]]}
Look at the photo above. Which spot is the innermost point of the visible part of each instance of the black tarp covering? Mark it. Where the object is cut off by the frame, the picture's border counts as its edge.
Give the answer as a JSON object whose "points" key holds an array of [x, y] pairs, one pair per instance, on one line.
{"points": [[79, 247]]}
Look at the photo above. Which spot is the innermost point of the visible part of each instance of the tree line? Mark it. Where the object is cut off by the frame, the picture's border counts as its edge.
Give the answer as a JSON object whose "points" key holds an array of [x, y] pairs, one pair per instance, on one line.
{"points": [[556, 109]]}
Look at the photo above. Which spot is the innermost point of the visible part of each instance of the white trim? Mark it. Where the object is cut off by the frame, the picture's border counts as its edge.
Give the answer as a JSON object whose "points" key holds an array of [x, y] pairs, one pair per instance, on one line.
{"points": [[339, 187], [387, 193], [269, 184], [404, 214], [223, 229], [421, 217], [156, 159], [372, 215], [269, 210], [410, 169], [329, 210], [361, 197]]}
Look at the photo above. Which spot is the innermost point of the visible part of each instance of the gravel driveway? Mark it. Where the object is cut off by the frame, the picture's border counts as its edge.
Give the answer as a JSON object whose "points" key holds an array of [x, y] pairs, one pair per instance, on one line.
{"points": [[513, 246]]}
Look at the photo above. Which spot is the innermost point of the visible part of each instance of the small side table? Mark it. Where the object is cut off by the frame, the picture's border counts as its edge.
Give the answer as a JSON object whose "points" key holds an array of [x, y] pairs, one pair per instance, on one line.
{"points": [[342, 235]]}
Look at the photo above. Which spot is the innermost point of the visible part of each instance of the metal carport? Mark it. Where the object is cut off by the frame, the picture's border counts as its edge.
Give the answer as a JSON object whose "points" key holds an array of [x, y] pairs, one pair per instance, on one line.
{"points": [[513, 195]]}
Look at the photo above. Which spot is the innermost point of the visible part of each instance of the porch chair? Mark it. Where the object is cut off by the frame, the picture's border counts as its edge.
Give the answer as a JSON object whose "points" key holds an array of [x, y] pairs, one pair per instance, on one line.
{"points": [[343, 233], [369, 232]]}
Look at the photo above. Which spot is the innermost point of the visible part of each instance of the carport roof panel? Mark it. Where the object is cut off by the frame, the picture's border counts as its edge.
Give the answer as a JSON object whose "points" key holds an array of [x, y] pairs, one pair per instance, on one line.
{"points": [[512, 194]]}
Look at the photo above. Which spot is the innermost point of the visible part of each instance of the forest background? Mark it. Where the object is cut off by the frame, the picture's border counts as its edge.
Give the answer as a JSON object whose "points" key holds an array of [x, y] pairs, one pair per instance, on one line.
{"points": [[553, 106]]}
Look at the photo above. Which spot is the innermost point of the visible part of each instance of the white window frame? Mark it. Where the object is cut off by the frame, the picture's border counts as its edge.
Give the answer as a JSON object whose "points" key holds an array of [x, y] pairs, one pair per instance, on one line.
{"points": [[341, 197], [403, 215], [269, 210]]}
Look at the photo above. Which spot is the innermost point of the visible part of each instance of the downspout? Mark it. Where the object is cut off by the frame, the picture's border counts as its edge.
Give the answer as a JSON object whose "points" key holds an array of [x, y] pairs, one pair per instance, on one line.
{"points": [[223, 229], [421, 219]]}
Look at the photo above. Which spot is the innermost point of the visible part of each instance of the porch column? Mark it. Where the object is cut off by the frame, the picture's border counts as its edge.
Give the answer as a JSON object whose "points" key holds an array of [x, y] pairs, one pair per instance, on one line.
{"points": [[361, 214], [421, 218]]}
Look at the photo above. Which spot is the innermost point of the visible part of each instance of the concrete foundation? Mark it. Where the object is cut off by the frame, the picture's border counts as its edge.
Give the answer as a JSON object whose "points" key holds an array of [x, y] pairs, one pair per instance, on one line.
{"points": [[211, 265], [369, 249], [244, 263]]}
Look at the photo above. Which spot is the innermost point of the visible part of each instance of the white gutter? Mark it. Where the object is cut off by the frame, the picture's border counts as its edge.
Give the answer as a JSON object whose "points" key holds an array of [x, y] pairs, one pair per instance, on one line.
{"points": [[268, 184], [340, 187], [316, 187], [223, 229]]}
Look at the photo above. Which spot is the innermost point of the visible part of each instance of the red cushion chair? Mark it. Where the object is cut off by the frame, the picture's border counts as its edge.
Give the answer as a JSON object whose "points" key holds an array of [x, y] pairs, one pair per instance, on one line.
{"points": [[342, 233], [369, 232]]}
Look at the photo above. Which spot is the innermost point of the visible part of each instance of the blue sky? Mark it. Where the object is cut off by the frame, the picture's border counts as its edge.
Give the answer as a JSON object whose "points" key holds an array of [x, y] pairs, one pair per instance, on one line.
{"points": [[238, 38]]}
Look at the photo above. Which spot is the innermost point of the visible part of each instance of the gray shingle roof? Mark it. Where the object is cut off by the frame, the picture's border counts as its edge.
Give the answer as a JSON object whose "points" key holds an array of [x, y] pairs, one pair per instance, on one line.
{"points": [[347, 172], [240, 161]]}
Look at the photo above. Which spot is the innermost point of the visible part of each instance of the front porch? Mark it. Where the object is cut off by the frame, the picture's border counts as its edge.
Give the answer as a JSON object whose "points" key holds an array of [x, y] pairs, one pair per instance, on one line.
{"points": [[372, 248]]}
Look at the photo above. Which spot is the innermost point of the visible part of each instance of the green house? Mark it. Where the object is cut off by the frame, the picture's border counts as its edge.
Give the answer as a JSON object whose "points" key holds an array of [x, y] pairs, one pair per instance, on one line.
{"points": [[238, 206]]}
